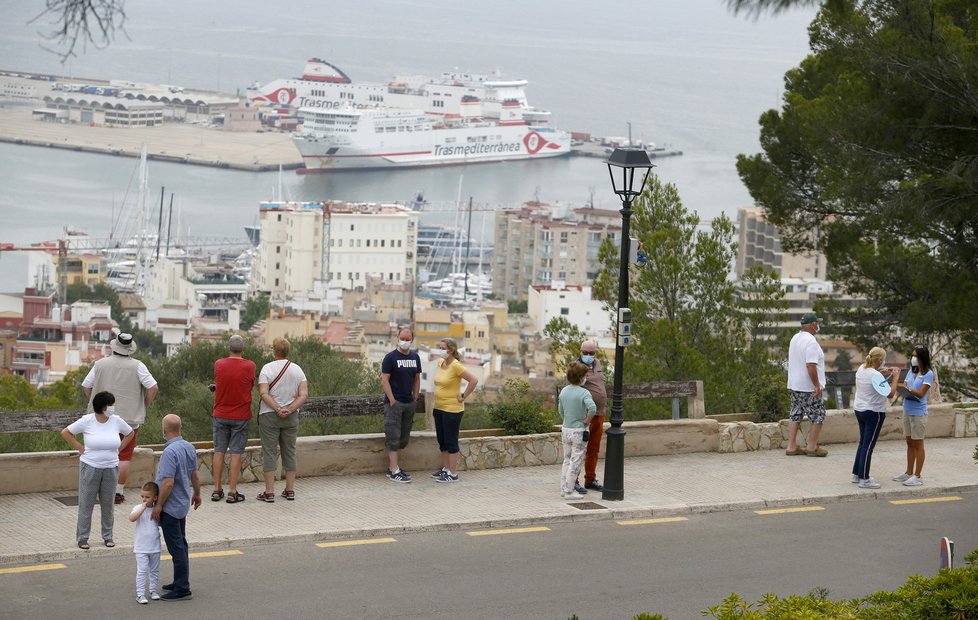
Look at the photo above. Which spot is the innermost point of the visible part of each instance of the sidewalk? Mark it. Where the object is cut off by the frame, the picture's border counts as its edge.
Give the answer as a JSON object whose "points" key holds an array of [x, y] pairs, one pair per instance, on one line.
{"points": [[37, 527]]}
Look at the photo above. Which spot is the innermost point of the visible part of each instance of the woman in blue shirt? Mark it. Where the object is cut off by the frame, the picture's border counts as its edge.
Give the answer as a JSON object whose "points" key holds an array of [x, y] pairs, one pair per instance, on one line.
{"points": [[919, 380]]}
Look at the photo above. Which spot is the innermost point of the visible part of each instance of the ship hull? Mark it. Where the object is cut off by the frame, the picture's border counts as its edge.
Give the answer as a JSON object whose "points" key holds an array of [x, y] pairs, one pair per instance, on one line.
{"points": [[441, 148]]}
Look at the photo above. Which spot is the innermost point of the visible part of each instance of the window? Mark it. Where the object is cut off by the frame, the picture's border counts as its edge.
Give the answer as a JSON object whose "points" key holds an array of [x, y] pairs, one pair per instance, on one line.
{"points": [[468, 334], [351, 227], [398, 243], [482, 334], [381, 243], [278, 249], [368, 243], [93, 268], [358, 243], [390, 276], [278, 266], [276, 281], [565, 311]]}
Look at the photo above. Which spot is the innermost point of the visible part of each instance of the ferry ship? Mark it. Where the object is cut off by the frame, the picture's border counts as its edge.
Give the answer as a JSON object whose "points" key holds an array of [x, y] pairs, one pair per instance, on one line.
{"points": [[387, 138], [325, 86]]}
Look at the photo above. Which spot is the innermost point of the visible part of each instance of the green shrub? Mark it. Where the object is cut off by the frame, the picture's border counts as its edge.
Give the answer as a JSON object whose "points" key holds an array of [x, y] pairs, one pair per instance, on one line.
{"points": [[518, 412]]}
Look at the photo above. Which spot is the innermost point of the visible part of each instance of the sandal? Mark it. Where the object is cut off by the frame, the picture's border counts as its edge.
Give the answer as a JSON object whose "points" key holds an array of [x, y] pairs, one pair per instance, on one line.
{"points": [[265, 496], [217, 495], [289, 495], [83, 544], [234, 498], [110, 543]]}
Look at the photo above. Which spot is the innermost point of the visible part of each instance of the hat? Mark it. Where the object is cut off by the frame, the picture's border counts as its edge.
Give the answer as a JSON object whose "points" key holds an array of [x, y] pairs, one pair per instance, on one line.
{"points": [[123, 344], [810, 317]]}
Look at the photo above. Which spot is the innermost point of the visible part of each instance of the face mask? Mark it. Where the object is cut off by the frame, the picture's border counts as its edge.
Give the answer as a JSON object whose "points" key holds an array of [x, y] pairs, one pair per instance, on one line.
{"points": [[110, 410], [818, 328], [587, 359], [914, 362], [437, 353], [404, 345]]}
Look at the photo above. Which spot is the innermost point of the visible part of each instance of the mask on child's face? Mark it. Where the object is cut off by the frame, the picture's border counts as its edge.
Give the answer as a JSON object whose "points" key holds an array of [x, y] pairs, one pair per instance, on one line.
{"points": [[110, 410]]}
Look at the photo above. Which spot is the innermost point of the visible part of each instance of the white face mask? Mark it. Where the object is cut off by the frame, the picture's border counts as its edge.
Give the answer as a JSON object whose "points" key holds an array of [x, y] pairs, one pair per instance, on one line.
{"points": [[818, 328], [110, 410], [404, 345], [914, 362]]}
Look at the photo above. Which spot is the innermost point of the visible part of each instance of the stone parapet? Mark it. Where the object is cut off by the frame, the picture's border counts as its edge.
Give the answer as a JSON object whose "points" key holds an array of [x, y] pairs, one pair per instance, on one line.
{"points": [[339, 455]]}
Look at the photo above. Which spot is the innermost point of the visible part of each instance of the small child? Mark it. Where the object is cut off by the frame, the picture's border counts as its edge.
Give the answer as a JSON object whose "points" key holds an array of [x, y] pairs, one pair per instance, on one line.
{"points": [[146, 543], [576, 409]]}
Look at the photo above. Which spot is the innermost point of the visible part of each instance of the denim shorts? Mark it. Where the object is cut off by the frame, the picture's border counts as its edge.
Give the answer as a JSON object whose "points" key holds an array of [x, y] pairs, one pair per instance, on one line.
{"points": [[230, 435]]}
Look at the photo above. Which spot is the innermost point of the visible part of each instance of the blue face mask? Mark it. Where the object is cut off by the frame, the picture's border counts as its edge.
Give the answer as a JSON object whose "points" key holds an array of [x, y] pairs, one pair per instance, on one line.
{"points": [[587, 359]]}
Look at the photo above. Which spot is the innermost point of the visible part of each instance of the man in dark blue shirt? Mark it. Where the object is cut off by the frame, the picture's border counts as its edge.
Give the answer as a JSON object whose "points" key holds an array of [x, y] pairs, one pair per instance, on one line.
{"points": [[401, 379]]}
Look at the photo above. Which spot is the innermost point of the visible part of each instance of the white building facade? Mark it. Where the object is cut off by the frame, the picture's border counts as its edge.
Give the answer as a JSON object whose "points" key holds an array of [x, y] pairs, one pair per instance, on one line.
{"points": [[573, 303]]}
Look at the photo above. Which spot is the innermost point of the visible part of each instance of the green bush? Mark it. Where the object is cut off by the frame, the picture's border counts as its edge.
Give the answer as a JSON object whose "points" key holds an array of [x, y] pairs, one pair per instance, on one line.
{"points": [[518, 411]]}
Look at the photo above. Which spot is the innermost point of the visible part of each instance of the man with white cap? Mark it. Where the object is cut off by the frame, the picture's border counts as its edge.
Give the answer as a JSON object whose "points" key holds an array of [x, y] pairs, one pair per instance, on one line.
{"points": [[134, 389], [806, 379]]}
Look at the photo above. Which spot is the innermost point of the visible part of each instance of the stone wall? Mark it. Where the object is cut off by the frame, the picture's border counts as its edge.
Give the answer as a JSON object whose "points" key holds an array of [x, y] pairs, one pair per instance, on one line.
{"points": [[339, 455]]}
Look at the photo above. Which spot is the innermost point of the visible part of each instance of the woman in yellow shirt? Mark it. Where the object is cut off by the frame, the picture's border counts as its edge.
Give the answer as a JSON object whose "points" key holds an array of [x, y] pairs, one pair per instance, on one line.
{"points": [[449, 406]]}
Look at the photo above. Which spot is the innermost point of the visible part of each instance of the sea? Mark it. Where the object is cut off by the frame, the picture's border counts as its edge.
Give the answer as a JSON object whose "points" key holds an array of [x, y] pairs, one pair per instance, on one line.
{"points": [[685, 74]]}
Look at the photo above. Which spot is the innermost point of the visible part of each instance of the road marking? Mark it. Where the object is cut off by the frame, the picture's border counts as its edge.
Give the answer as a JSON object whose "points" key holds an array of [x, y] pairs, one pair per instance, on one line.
{"points": [[778, 511], [30, 569], [651, 521], [514, 530], [205, 554], [926, 500], [350, 543]]}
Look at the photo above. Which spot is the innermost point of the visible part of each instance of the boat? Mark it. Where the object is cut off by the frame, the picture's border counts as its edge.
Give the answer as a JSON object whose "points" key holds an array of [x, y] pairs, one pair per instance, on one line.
{"points": [[324, 86], [375, 138]]}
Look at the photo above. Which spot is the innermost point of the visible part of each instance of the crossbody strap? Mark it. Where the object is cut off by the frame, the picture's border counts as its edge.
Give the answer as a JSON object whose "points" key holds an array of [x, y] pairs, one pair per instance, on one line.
{"points": [[281, 372]]}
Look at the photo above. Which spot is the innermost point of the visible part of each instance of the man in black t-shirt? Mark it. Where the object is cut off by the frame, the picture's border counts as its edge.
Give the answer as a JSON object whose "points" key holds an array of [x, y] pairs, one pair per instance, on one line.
{"points": [[401, 379]]}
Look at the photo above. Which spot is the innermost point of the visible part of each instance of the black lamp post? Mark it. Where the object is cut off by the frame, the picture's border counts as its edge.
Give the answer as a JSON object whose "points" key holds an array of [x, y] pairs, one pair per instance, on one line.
{"points": [[628, 161]]}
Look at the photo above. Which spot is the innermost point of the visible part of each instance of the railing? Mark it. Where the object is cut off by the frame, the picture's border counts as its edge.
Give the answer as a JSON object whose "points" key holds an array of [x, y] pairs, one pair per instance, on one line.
{"points": [[692, 390], [314, 407], [840, 383]]}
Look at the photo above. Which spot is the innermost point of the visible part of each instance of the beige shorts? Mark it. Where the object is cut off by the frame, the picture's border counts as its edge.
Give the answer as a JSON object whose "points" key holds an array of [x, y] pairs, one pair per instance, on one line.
{"points": [[914, 426]]}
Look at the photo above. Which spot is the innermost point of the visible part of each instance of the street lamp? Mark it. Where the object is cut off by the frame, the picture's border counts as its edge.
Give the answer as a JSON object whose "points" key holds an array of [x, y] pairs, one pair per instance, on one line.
{"points": [[628, 161]]}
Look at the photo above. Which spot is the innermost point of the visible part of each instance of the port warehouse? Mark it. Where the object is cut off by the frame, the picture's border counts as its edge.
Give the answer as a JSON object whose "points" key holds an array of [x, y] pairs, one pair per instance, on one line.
{"points": [[115, 104]]}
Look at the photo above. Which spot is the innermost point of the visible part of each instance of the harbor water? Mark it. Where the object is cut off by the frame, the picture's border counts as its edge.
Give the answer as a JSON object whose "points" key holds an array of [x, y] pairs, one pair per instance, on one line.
{"points": [[686, 74]]}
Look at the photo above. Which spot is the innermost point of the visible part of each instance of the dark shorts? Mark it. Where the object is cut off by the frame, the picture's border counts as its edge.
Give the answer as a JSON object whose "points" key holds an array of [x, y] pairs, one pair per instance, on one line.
{"points": [[230, 435], [126, 453], [398, 419], [804, 404]]}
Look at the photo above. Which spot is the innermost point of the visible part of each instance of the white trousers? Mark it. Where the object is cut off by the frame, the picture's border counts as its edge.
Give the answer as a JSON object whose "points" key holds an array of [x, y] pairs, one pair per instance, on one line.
{"points": [[147, 563], [574, 449]]}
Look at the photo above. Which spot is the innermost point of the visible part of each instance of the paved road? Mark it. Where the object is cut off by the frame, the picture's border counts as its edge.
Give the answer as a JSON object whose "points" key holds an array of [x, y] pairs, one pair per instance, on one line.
{"points": [[596, 569]]}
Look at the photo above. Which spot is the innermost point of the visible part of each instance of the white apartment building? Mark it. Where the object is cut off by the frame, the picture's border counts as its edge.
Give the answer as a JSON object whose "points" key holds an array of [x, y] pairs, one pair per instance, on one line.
{"points": [[573, 303], [336, 243], [369, 240], [288, 259], [759, 243]]}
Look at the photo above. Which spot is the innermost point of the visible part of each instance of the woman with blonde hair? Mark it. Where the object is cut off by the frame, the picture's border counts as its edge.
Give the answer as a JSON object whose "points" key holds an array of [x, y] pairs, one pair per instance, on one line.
{"points": [[282, 387], [449, 406], [873, 388]]}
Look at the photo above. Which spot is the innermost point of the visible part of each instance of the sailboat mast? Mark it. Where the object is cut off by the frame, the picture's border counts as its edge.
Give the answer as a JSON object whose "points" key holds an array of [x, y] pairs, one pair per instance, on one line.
{"points": [[468, 245]]}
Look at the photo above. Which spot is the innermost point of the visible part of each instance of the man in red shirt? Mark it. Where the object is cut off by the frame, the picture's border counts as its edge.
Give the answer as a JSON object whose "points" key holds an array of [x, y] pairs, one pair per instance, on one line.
{"points": [[234, 381]]}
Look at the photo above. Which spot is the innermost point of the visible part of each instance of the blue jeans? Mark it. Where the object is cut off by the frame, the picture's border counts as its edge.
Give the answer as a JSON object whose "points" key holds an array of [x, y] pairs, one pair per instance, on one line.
{"points": [[175, 535], [870, 424]]}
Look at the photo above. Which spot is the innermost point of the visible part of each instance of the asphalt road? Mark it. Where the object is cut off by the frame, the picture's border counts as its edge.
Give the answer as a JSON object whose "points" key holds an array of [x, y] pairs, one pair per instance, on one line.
{"points": [[601, 569]]}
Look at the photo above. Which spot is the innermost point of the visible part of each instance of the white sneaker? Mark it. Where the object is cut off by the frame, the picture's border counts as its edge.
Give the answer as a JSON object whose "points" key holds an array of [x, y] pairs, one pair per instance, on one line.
{"points": [[142, 600], [901, 478], [154, 596], [856, 479], [573, 495], [913, 481], [869, 483]]}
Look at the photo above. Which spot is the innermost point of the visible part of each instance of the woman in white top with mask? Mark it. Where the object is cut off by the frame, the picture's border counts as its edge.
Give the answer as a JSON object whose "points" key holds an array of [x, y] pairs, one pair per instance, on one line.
{"points": [[874, 384], [98, 471]]}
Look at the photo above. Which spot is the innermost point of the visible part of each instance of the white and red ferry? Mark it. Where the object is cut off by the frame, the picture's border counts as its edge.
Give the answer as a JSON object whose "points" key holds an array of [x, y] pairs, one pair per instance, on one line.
{"points": [[325, 86], [387, 138]]}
